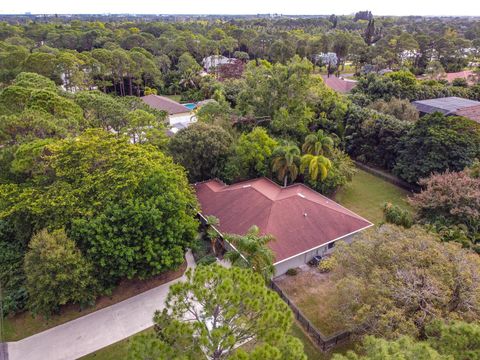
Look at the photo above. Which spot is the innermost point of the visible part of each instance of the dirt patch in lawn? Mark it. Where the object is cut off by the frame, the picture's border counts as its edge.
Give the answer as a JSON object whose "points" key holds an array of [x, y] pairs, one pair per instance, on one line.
{"points": [[23, 325], [312, 292]]}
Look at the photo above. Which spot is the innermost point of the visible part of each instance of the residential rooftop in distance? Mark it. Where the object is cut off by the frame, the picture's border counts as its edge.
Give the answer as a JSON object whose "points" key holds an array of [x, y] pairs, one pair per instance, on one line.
{"points": [[450, 106], [165, 104], [339, 84]]}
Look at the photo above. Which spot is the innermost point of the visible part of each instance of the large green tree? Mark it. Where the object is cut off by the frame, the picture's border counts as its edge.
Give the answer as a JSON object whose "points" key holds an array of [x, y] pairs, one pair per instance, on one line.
{"points": [[445, 341], [253, 152], [404, 348], [340, 173], [437, 143], [57, 273], [393, 281], [202, 149], [452, 199], [214, 312], [373, 137], [129, 208]]}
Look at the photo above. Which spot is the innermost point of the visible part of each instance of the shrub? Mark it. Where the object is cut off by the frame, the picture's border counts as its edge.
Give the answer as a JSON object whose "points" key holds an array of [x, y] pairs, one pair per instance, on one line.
{"points": [[460, 82], [394, 214], [57, 273], [200, 248], [327, 264], [384, 278], [207, 260], [292, 272], [451, 198], [400, 108]]}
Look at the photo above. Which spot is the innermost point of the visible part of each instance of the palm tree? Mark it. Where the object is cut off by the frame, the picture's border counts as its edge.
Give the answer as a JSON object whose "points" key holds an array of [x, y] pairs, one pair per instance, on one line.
{"points": [[285, 162], [316, 165], [212, 223], [252, 251], [318, 144], [189, 79]]}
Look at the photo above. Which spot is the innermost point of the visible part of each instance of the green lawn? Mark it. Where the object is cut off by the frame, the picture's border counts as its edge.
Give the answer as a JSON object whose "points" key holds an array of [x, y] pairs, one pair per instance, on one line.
{"points": [[176, 98], [115, 351], [367, 193]]}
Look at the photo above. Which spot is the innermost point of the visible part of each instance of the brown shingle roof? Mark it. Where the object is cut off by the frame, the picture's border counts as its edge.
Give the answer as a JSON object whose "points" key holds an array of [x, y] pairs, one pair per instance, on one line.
{"points": [[299, 218], [165, 104], [467, 74], [450, 106], [338, 84], [472, 113]]}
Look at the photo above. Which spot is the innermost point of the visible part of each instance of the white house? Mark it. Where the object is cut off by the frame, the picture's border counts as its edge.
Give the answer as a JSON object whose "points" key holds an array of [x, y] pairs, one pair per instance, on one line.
{"points": [[212, 61], [303, 222], [177, 113]]}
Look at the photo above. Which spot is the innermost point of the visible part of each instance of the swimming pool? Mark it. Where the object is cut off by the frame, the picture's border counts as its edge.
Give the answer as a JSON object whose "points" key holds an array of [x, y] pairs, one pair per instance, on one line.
{"points": [[191, 106]]}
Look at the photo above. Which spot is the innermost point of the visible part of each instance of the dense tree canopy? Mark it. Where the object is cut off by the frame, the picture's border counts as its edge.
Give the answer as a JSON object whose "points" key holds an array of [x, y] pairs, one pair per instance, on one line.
{"points": [[253, 153], [393, 282], [455, 340], [225, 308], [202, 149], [81, 153], [128, 208], [437, 143], [373, 137]]}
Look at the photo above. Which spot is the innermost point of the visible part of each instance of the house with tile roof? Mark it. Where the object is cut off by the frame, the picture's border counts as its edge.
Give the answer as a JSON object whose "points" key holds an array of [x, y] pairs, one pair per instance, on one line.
{"points": [[452, 105], [177, 113], [339, 84], [467, 75], [303, 222]]}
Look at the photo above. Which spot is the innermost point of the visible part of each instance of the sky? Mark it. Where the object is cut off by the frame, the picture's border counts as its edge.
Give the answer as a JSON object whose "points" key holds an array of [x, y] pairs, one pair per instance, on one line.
{"points": [[286, 7]]}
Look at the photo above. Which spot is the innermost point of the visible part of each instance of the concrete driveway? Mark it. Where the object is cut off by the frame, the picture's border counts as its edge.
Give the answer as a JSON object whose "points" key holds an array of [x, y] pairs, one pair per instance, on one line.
{"points": [[94, 331]]}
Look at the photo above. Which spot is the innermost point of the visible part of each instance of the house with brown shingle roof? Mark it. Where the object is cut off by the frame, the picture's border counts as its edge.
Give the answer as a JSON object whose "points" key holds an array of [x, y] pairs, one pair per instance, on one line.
{"points": [[467, 75], [303, 222], [177, 113], [452, 105], [339, 84]]}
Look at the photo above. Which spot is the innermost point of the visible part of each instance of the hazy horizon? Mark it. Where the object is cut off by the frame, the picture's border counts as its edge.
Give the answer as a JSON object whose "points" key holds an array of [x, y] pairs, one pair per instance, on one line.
{"points": [[246, 7]]}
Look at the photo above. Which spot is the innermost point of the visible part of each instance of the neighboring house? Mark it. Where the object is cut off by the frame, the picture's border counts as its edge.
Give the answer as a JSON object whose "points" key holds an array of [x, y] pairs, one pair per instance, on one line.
{"points": [[213, 61], [177, 113], [339, 84], [468, 75], [303, 222], [450, 106]]}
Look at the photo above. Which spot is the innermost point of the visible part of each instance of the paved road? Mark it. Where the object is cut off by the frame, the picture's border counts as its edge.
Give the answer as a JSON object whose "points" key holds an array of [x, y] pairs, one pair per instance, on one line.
{"points": [[94, 331]]}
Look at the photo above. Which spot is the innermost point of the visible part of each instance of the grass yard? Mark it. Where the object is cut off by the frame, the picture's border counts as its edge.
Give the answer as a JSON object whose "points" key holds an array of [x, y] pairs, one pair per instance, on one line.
{"points": [[23, 325], [310, 290], [367, 193], [115, 351], [176, 98]]}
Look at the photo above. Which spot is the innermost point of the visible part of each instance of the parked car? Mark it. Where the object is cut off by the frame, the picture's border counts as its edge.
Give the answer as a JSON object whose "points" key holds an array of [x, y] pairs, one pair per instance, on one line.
{"points": [[315, 260]]}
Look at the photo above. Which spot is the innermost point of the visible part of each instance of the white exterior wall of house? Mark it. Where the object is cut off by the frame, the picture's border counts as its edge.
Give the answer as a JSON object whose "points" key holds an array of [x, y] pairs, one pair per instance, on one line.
{"points": [[302, 259], [185, 117]]}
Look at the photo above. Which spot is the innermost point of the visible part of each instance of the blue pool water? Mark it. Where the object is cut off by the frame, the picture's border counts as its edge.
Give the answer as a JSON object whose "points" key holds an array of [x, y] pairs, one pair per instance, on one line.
{"points": [[191, 106]]}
